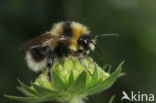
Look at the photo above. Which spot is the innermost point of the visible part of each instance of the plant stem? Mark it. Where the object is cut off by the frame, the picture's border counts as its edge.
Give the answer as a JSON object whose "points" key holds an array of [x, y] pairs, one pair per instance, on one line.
{"points": [[76, 100]]}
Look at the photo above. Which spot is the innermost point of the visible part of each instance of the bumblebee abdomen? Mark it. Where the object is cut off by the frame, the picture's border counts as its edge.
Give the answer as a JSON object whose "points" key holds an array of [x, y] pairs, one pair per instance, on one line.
{"points": [[39, 53]]}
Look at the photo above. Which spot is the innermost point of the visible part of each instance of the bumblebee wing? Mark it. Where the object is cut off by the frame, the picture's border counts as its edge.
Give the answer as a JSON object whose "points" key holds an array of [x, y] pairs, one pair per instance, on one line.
{"points": [[45, 39], [37, 41]]}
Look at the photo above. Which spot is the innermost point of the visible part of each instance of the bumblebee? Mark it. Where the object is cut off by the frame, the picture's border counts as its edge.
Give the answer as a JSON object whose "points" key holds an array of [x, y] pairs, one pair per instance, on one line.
{"points": [[64, 39]]}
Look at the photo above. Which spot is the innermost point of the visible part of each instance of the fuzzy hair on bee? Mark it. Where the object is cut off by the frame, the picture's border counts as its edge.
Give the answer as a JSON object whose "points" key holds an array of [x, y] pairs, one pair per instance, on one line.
{"points": [[62, 40]]}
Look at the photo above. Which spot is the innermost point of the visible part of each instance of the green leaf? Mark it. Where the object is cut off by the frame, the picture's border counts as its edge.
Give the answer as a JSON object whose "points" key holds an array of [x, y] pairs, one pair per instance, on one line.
{"points": [[111, 99], [79, 84], [105, 67], [109, 68], [106, 83], [122, 74], [71, 79], [58, 83], [43, 91], [33, 99], [24, 91], [94, 78], [28, 89]]}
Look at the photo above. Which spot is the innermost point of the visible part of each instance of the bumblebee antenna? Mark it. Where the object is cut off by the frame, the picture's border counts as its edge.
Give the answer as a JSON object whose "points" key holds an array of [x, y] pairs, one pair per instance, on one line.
{"points": [[110, 34]]}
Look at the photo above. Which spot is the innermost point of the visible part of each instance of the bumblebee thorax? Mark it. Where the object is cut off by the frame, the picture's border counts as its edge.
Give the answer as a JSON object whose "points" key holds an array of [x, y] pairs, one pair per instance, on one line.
{"points": [[73, 29]]}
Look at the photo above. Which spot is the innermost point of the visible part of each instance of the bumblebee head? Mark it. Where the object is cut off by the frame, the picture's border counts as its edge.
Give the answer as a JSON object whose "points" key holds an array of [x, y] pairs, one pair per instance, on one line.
{"points": [[87, 42], [82, 37]]}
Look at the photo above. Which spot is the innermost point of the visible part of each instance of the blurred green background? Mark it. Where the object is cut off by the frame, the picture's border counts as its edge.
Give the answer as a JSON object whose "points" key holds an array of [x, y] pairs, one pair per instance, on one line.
{"points": [[134, 20]]}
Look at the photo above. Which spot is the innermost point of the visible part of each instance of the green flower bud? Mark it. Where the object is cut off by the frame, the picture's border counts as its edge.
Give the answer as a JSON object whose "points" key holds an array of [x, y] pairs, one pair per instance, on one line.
{"points": [[71, 80]]}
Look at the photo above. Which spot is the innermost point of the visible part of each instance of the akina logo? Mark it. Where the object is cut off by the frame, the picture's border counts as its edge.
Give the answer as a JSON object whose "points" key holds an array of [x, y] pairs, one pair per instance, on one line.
{"points": [[138, 96]]}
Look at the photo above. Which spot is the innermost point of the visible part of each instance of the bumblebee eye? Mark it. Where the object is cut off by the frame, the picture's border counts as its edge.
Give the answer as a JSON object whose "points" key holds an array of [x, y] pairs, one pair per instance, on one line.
{"points": [[84, 42]]}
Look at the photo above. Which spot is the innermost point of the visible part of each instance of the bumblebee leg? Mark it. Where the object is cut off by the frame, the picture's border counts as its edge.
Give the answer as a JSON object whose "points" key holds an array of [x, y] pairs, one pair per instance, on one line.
{"points": [[49, 65], [83, 63]]}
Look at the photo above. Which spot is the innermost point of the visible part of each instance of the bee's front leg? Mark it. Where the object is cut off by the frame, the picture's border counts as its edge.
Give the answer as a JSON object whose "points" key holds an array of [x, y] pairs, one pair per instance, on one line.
{"points": [[76, 54], [49, 65]]}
